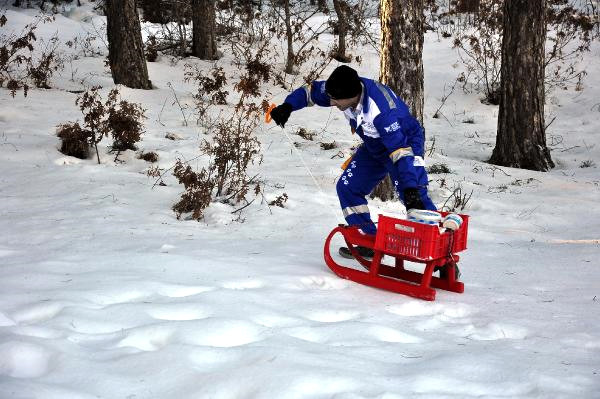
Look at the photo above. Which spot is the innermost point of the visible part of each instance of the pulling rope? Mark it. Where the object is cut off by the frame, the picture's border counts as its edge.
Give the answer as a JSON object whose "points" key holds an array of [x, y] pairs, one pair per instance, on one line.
{"points": [[268, 119]]}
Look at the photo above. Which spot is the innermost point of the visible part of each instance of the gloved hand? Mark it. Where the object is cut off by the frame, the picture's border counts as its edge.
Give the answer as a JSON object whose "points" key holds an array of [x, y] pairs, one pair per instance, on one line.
{"points": [[412, 199], [281, 114]]}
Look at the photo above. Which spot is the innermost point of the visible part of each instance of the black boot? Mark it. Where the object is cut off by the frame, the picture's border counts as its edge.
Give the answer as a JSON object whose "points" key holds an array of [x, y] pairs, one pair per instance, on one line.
{"points": [[365, 252], [444, 271]]}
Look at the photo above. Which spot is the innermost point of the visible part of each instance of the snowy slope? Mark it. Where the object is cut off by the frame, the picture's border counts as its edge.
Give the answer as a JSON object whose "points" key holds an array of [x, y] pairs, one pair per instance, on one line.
{"points": [[105, 294]]}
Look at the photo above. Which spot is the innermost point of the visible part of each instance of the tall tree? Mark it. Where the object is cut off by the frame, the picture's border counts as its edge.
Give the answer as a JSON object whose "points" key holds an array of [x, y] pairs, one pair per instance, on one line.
{"points": [[299, 32], [322, 4], [342, 11], [401, 61], [521, 137], [125, 46], [153, 11], [204, 42], [291, 57], [467, 6]]}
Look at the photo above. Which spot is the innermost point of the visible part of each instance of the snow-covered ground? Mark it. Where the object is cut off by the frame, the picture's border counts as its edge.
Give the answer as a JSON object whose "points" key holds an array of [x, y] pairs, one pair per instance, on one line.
{"points": [[105, 294]]}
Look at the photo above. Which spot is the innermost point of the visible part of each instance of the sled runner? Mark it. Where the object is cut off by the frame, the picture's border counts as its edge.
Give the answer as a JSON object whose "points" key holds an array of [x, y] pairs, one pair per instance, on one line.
{"points": [[403, 240]]}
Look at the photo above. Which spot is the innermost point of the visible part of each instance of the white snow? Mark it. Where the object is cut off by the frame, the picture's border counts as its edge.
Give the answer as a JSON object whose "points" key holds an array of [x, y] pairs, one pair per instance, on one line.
{"points": [[105, 294]]}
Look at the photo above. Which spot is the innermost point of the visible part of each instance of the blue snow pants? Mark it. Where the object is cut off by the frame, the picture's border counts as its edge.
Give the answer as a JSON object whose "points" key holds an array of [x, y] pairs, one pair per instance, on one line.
{"points": [[360, 178]]}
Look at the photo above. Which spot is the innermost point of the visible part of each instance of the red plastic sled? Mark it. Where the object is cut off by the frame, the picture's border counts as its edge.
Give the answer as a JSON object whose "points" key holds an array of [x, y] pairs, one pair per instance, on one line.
{"points": [[404, 241]]}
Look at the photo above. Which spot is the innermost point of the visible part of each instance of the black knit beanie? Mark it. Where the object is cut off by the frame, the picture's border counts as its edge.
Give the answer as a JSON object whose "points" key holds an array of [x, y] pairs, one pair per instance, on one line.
{"points": [[343, 83]]}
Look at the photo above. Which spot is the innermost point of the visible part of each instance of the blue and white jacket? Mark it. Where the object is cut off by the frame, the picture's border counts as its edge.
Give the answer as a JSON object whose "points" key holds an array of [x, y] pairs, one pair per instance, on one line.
{"points": [[383, 122]]}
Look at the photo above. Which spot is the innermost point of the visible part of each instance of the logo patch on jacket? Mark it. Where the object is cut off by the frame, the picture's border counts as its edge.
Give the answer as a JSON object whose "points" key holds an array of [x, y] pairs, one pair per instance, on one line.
{"points": [[392, 128], [369, 129]]}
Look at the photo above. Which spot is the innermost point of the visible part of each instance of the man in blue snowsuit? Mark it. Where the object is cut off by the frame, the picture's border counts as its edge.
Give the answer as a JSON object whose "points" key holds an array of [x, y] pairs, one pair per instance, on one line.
{"points": [[393, 142]]}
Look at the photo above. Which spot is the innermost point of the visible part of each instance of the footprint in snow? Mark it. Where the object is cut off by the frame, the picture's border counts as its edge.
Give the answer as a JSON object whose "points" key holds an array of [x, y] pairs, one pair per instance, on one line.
{"points": [[23, 360], [351, 333], [178, 312], [5, 321], [38, 312], [387, 334], [211, 359], [147, 338], [180, 291], [220, 333], [166, 248], [249, 284], [322, 282], [309, 334], [420, 308], [494, 331], [38, 332], [117, 296], [98, 341], [273, 320], [6, 252], [332, 316]]}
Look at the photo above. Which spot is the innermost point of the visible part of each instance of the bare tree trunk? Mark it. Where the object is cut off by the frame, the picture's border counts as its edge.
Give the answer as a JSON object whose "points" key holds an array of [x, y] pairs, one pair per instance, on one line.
{"points": [[401, 62], [125, 46], [340, 7], [289, 64], [385, 190], [204, 25], [467, 6], [323, 6], [153, 11], [521, 137]]}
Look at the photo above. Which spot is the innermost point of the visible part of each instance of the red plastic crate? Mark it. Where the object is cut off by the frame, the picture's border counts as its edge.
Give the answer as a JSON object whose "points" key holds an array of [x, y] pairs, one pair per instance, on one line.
{"points": [[418, 240]]}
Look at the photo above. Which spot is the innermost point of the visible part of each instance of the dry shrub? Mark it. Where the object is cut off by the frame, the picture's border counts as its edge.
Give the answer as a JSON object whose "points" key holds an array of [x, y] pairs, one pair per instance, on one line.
{"points": [[458, 200], [279, 201], [54, 6], [210, 90], [151, 49], [19, 63], [198, 190], [258, 71], [115, 117], [42, 67], [569, 35], [305, 134], [233, 147], [245, 28], [328, 146], [124, 122], [173, 136], [438, 168], [75, 141], [231, 151], [149, 156], [587, 164], [174, 16], [481, 49]]}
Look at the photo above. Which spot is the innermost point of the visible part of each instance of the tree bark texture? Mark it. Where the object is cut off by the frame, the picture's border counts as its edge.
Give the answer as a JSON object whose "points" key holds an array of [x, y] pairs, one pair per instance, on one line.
{"points": [[125, 46], [467, 6], [323, 6], [521, 137], [153, 11], [291, 58], [401, 61], [340, 7], [204, 42]]}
